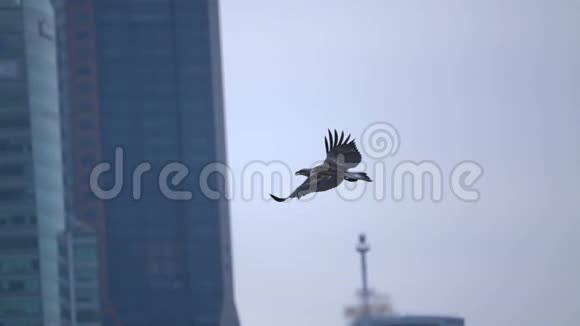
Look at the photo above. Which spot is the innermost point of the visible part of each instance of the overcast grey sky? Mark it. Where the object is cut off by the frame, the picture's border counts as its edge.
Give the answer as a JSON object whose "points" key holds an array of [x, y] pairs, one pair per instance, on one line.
{"points": [[494, 81]]}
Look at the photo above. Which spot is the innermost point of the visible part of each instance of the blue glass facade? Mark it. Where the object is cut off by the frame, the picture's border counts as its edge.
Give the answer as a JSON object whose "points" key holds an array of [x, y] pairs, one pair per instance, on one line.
{"points": [[159, 94], [31, 191]]}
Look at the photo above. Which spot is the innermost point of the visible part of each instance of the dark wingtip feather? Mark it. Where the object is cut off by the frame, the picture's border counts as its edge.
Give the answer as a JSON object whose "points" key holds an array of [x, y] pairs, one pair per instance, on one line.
{"points": [[329, 139], [278, 199], [334, 140]]}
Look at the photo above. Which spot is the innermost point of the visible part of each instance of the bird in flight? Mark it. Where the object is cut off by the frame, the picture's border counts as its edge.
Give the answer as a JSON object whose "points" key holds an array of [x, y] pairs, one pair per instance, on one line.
{"points": [[341, 155]]}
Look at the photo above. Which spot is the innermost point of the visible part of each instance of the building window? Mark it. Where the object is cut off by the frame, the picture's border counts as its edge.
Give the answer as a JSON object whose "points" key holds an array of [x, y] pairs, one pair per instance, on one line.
{"points": [[87, 295], [22, 307], [9, 69], [88, 160], [83, 52], [10, 20], [10, 3], [13, 194], [86, 316], [12, 170], [84, 88], [83, 107], [12, 99], [12, 146], [18, 265], [83, 70], [90, 213], [89, 195], [11, 45], [14, 121], [87, 143], [81, 36], [18, 220], [150, 17], [18, 243], [85, 275], [85, 253], [87, 124], [81, 16], [16, 286]]}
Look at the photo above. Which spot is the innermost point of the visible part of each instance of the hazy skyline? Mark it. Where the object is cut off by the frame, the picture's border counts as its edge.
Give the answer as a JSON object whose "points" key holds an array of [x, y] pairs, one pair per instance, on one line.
{"points": [[491, 81]]}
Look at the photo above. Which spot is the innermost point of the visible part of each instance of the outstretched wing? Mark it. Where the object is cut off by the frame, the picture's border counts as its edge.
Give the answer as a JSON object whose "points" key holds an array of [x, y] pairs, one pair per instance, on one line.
{"points": [[340, 152]]}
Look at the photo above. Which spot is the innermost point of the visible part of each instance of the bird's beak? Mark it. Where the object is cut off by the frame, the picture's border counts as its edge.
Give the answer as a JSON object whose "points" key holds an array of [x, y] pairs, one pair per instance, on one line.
{"points": [[296, 173]]}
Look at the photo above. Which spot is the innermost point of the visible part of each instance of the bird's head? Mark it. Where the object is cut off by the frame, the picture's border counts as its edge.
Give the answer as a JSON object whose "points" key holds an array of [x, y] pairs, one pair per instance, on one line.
{"points": [[304, 172]]}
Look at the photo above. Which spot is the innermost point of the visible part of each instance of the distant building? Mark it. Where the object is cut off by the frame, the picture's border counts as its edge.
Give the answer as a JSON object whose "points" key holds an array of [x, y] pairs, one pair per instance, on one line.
{"points": [[31, 183], [409, 321], [374, 309], [145, 76], [79, 272]]}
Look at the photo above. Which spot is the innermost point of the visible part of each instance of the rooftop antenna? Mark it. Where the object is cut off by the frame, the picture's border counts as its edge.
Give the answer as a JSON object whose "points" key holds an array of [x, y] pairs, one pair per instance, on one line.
{"points": [[371, 304], [363, 248]]}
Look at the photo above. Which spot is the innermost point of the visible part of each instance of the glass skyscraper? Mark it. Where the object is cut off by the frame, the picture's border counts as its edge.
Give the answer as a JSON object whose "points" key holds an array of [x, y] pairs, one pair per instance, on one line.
{"points": [[145, 76], [31, 186]]}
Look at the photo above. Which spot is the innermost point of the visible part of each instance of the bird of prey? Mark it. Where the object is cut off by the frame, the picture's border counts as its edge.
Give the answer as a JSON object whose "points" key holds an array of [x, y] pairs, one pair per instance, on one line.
{"points": [[341, 155]]}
